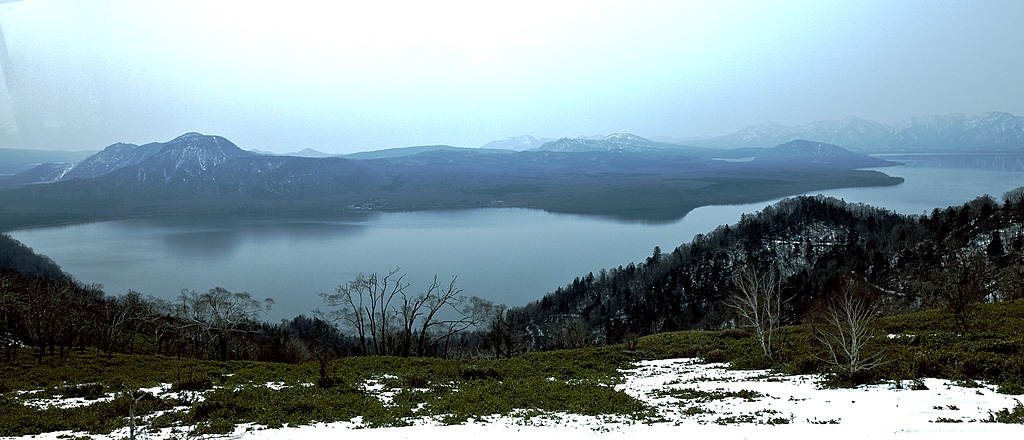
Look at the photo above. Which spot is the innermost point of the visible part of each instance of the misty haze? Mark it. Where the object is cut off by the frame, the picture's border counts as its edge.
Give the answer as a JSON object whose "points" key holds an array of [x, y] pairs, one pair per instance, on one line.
{"points": [[468, 219]]}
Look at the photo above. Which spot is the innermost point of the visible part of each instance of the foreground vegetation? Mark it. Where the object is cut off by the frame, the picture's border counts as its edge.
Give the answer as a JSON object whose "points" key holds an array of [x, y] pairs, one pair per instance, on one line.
{"points": [[205, 397], [212, 397], [911, 346]]}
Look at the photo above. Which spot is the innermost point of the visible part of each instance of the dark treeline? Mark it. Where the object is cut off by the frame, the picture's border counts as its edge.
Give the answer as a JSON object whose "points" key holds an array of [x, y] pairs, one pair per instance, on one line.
{"points": [[812, 245], [371, 315], [55, 315], [20, 258]]}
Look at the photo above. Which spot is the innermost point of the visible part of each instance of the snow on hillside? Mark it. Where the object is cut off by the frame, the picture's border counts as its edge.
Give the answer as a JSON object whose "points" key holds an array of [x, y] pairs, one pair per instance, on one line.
{"points": [[695, 400]]}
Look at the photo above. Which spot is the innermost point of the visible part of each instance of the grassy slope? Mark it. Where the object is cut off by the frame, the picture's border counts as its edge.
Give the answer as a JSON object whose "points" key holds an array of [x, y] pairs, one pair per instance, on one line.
{"points": [[452, 391]]}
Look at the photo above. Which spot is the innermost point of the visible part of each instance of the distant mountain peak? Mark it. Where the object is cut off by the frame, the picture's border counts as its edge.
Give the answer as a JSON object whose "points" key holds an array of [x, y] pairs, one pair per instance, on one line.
{"points": [[188, 154], [114, 157], [769, 124], [191, 154], [626, 137], [820, 153], [188, 135], [309, 152], [613, 142], [517, 143], [992, 131], [205, 142]]}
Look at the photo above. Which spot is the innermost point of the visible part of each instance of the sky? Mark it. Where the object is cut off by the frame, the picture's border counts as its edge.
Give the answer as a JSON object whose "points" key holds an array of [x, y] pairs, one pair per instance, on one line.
{"points": [[345, 76]]}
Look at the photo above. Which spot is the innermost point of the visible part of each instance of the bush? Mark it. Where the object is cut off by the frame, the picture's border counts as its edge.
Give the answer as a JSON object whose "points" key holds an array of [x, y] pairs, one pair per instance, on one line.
{"points": [[1015, 387], [91, 391], [416, 380], [1007, 415], [477, 373], [193, 384]]}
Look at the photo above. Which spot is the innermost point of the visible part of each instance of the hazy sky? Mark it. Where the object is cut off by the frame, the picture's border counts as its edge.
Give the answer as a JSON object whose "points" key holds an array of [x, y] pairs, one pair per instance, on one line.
{"points": [[346, 76]]}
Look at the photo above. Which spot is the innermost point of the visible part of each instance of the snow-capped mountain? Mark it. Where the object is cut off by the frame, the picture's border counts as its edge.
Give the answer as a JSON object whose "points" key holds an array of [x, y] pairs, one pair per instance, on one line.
{"points": [[623, 142], [994, 131], [112, 158], [989, 131], [850, 132], [185, 156], [188, 156]]}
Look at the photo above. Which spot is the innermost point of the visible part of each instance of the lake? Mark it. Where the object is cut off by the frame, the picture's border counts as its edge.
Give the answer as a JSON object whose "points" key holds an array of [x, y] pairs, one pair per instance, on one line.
{"points": [[510, 256]]}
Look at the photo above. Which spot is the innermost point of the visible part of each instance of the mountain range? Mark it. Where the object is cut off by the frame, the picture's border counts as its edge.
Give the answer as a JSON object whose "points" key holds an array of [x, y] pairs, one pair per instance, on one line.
{"points": [[621, 175], [517, 143], [621, 142], [987, 132]]}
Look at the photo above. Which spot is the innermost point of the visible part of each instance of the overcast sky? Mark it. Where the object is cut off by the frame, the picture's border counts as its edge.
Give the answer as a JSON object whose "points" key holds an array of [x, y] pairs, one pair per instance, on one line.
{"points": [[350, 76]]}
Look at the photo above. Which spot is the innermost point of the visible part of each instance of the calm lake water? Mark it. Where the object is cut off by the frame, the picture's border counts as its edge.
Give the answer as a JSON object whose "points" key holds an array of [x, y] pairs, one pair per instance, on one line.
{"points": [[510, 256]]}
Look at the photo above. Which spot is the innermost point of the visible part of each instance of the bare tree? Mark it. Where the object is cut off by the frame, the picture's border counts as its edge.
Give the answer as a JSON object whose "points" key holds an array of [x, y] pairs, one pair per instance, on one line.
{"points": [[365, 305], [446, 313], [380, 309], [381, 315], [757, 301], [143, 314], [218, 314], [411, 310], [135, 395], [847, 318], [317, 339], [963, 281], [12, 306], [504, 337], [41, 308], [576, 333], [1011, 282], [347, 307]]}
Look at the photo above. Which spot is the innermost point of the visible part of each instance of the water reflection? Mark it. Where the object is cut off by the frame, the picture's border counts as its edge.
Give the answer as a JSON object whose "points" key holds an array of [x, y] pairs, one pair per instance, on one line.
{"points": [[218, 235]]}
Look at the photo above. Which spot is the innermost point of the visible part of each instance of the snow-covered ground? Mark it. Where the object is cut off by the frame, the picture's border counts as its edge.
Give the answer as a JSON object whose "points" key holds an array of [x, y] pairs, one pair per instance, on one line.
{"points": [[696, 400]]}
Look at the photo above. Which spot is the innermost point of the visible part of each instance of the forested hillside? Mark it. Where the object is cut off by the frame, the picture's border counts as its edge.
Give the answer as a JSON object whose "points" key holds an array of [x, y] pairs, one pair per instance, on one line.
{"points": [[15, 256], [812, 246]]}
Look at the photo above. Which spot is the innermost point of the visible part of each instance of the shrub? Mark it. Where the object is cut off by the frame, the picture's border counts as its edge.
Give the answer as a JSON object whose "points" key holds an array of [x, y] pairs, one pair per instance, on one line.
{"points": [[416, 380], [193, 384], [1012, 387], [1008, 415], [477, 373], [90, 391]]}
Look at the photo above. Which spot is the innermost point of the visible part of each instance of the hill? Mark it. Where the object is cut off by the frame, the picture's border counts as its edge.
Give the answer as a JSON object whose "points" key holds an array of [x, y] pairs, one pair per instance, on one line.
{"points": [[16, 257], [393, 153], [812, 246], [14, 161]]}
